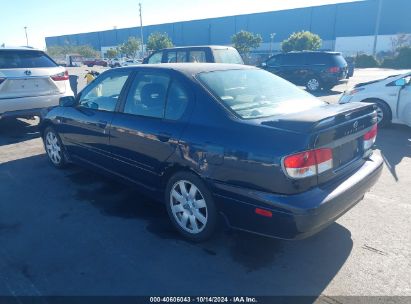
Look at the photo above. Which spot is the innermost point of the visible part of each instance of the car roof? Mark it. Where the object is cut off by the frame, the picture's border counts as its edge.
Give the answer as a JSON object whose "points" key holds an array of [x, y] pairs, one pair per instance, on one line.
{"points": [[19, 48], [313, 52], [190, 69], [198, 47]]}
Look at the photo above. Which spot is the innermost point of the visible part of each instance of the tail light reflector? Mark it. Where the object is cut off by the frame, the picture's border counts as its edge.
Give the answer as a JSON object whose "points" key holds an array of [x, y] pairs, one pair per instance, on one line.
{"points": [[263, 212], [308, 163], [61, 76], [334, 69], [370, 137]]}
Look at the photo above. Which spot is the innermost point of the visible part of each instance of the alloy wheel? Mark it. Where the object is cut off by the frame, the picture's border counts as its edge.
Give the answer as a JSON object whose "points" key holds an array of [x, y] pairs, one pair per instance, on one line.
{"points": [[53, 148], [188, 206], [313, 85]]}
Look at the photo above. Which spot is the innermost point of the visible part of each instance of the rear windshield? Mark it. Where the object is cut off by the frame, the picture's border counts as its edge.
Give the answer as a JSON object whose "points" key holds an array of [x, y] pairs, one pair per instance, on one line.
{"points": [[256, 93], [25, 59], [339, 60], [227, 56]]}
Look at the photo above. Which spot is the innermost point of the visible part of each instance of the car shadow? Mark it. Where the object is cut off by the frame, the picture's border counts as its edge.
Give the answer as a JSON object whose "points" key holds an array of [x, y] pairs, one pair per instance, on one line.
{"points": [[394, 142], [17, 130], [134, 239], [323, 93]]}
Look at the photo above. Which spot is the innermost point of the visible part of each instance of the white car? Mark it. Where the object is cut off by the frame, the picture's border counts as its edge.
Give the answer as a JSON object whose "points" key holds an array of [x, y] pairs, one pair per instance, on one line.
{"points": [[29, 82], [392, 96]]}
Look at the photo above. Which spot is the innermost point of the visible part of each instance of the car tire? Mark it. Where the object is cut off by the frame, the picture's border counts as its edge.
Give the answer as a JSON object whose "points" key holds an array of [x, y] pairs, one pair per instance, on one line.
{"points": [[54, 148], [384, 114], [313, 84], [191, 207]]}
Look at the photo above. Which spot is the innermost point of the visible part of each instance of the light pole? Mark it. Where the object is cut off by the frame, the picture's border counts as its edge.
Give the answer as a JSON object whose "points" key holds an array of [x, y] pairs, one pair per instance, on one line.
{"points": [[377, 28], [141, 32], [272, 36], [27, 39]]}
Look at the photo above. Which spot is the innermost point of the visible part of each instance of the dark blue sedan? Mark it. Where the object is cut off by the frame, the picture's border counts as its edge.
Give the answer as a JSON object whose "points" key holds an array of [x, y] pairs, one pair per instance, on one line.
{"points": [[213, 139]]}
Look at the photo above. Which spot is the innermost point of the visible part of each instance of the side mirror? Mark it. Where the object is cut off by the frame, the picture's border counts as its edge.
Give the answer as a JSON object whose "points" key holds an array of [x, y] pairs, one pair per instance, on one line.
{"points": [[400, 82], [67, 101]]}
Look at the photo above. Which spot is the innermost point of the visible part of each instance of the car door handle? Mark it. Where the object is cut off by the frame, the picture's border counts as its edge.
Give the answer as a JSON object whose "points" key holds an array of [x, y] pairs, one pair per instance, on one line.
{"points": [[164, 137], [102, 124]]}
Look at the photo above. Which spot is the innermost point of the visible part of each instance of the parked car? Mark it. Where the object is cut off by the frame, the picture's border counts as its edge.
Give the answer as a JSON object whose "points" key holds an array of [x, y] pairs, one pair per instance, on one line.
{"points": [[392, 96], [197, 54], [315, 70], [115, 63], [131, 62], [29, 82], [209, 139], [92, 62]]}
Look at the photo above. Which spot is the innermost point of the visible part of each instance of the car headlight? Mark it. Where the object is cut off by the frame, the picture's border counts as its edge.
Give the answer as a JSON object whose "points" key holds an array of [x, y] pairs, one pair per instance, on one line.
{"points": [[354, 91]]}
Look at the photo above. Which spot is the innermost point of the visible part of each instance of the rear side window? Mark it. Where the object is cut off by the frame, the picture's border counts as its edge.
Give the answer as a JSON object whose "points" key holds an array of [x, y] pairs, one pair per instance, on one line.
{"points": [[293, 59], [177, 101], [197, 56], [339, 60], [227, 56], [25, 60], [155, 58]]}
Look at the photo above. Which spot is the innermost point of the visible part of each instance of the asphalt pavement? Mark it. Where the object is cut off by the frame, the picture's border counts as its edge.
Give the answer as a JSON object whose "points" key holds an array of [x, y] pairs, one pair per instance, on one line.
{"points": [[74, 232]]}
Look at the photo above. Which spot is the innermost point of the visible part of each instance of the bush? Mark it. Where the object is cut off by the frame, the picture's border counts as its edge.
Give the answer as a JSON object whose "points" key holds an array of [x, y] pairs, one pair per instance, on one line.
{"points": [[365, 61], [401, 61], [301, 41]]}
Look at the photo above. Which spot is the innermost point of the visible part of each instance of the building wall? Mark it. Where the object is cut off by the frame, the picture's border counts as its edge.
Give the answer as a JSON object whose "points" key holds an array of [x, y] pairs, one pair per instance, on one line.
{"points": [[341, 26]]}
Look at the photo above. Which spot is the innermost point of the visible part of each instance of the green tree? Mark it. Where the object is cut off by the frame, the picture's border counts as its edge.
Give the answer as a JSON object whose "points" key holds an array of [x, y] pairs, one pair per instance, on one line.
{"points": [[130, 47], [111, 53], [245, 41], [302, 41], [157, 41], [85, 51]]}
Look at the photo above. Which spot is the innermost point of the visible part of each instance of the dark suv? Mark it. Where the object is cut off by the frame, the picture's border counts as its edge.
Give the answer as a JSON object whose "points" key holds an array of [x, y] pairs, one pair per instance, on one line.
{"points": [[196, 54], [315, 70]]}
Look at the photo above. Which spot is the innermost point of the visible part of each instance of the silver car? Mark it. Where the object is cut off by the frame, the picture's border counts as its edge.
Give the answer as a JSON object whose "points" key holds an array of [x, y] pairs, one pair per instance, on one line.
{"points": [[29, 82]]}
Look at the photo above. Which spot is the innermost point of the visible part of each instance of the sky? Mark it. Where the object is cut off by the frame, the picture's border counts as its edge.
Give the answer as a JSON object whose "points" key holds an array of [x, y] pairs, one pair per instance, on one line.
{"points": [[45, 18]]}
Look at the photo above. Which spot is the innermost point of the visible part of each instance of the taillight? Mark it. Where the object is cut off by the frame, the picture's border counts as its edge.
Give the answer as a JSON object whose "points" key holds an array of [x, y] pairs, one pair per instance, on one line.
{"points": [[370, 137], [334, 69], [308, 163], [2, 79], [61, 76]]}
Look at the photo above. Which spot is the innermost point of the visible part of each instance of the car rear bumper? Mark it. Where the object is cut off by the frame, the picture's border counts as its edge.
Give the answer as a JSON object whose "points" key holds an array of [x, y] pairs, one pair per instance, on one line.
{"points": [[296, 216], [28, 106]]}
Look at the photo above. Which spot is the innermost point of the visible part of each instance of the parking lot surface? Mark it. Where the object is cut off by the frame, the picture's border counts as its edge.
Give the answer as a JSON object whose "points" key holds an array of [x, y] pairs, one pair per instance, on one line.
{"points": [[74, 232]]}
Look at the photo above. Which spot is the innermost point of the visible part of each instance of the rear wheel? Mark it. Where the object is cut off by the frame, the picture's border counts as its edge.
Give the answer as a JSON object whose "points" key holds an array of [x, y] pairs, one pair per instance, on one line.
{"points": [[54, 148], [190, 206], [313, 84], [384, 115]]}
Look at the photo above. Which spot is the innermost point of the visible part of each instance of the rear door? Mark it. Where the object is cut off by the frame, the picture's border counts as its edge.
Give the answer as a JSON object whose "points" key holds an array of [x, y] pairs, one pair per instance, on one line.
{"points": [[145, 133], [28, 73], [84, 128]]}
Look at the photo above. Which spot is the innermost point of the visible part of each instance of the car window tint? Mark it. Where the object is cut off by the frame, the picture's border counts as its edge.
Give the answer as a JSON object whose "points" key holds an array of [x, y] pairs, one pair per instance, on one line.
{"points": [[182, 56], [147, 95], [275, 61], [156, 58], [197, 56], [177, 101], [227, 56], [293, 59], [103, 93], [172, 57], [24, 59]]}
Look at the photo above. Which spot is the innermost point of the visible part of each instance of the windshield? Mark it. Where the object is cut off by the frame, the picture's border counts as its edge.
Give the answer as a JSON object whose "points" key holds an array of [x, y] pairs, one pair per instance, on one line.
{"points": [[227, 56], [256, 93]]}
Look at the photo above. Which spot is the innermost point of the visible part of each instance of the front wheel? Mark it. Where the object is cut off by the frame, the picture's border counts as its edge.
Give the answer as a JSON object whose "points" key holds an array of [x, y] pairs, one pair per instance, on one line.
{"points": [[190, 206], [384, 114], [313, 84], [54, 148]]}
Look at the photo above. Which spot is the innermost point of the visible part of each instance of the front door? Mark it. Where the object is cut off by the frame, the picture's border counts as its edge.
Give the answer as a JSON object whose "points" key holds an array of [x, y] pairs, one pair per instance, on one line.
{"points": [[146, 132], [85, 127], [404, 103]]}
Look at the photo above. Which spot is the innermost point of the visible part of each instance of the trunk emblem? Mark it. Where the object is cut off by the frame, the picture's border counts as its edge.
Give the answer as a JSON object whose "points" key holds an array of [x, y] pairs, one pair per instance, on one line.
{"points": [[28, 72], [355, 125]]}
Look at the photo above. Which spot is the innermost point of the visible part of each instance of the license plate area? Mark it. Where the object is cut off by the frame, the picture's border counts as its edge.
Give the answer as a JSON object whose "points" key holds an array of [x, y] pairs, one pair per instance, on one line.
{"points": [[346, 153]]}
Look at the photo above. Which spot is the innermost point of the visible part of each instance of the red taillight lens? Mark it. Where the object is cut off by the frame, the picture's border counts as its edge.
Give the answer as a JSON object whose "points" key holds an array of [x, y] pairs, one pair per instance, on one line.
{"points": [[370, 137], [61, 76], [334, 69], [308, 163], [263, 212]]}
